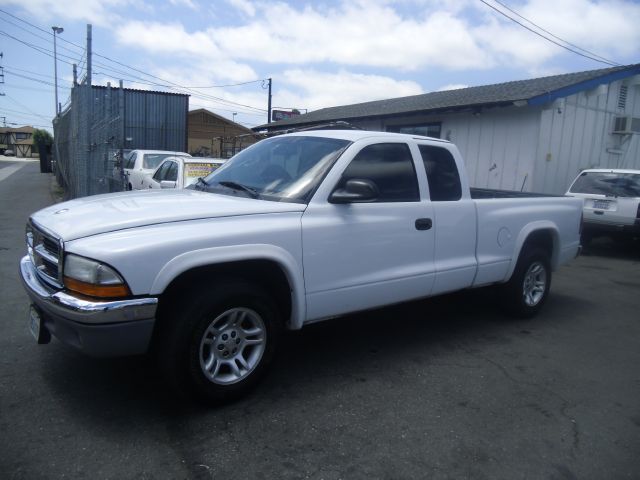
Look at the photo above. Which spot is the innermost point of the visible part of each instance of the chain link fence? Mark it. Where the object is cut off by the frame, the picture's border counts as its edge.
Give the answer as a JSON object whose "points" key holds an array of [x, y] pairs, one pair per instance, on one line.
{"points": [[102, 124]]}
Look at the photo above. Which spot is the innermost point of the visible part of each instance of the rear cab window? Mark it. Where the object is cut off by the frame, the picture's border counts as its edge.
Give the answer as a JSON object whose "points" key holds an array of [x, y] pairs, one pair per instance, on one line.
{"points": [[442, 173]]}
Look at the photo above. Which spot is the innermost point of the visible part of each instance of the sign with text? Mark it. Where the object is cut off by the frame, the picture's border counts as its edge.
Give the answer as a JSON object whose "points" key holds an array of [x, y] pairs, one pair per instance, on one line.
{"points": [[282, 114]]}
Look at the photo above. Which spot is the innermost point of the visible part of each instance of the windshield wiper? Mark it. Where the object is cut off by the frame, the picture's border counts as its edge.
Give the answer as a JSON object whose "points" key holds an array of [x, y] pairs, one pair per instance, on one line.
{"points": [[203, 182], [238, 186]]}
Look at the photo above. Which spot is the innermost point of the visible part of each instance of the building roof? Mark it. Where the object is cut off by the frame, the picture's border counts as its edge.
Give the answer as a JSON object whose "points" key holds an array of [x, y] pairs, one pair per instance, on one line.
{"points": [[221, 118], [536, 91], [25, 129]]}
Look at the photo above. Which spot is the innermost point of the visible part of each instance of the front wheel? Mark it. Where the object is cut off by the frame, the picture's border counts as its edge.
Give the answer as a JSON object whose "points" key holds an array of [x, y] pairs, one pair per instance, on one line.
{"points": [[526, 291], [218, 343]]}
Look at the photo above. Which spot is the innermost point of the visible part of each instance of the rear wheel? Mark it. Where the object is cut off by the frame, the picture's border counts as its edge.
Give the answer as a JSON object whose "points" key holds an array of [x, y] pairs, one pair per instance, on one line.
{"points": [[217, 344], [526, 291]]}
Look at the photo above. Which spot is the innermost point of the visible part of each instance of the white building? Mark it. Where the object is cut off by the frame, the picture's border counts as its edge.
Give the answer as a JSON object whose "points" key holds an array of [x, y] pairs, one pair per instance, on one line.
{"points": [[532, 135]]}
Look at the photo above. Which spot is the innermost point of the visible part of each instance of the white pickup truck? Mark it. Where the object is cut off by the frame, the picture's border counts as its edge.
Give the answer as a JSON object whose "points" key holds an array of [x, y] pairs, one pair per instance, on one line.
{"points": [[293, 230]]}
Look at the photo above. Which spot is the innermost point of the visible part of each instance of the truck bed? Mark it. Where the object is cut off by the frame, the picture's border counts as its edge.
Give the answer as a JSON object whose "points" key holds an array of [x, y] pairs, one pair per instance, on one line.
{"points": [[483, 193]]}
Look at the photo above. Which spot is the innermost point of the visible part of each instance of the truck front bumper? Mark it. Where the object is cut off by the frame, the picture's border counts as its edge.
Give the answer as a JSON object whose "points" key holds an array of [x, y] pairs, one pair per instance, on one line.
{"points": [[97, 328]]}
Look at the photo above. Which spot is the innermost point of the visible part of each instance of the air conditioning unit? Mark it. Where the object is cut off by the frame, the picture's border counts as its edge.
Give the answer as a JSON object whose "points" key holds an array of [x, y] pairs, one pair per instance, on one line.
{"points": [[626, 125]]}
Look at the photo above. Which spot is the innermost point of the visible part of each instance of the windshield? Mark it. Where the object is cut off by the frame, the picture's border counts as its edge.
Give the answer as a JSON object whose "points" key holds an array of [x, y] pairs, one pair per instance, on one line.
{"points": [[287, 169], [152, 160], [612, 184]]}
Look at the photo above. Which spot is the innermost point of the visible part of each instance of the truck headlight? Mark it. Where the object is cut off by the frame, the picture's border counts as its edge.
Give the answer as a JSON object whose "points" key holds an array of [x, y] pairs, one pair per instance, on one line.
{"points": [[92, 278]]}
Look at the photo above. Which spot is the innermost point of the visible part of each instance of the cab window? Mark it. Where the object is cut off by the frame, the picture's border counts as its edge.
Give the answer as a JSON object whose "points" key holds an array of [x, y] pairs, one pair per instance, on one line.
{"points": [[390, 167], [442, 173], [130, 161], [162, 172], [172, 172]]}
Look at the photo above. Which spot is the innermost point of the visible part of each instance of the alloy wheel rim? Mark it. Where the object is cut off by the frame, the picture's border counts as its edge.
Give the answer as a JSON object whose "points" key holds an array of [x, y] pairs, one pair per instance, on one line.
{"points": [[535, 283], [232, 346]]}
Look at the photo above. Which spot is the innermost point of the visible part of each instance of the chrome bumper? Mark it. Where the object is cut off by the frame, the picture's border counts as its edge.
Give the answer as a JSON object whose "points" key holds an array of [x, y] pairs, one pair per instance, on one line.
{"points": [[80, 310], [97, 328]]}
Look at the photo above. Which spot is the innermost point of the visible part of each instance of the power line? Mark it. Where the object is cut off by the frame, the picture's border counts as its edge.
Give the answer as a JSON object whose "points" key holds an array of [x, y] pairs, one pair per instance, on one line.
{"points": [[38, 48], [231, 84], [129, 66], [18, 112], [44, 82], [30, 72], [167, 83], [40, 36], [227, 110], [554, 36], [549, 39], [23, 106], [30, 125]]}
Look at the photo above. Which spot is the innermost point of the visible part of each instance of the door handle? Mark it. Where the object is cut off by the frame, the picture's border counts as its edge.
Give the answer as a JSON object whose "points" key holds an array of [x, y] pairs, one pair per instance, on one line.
{"points": [[423, 224]]}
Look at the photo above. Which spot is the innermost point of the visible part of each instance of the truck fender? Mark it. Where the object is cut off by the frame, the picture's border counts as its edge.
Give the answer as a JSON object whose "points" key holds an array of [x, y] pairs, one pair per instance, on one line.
{"points": [[217, 255], [525, 233]]}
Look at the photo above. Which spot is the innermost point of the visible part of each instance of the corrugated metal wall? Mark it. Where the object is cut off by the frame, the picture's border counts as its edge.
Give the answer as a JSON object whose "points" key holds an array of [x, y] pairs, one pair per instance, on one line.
{"points": [[101, 122]]}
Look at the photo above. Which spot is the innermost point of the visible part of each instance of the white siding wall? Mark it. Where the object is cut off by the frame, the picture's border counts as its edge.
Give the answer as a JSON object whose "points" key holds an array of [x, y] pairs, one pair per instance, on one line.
{"points": [[542, 148], [497, 145], [575, 133]]}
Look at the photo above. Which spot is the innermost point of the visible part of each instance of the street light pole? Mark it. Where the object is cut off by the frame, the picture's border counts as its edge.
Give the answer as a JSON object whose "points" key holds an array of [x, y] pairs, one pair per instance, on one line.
{"points": [[234, 116], [56, 30]]}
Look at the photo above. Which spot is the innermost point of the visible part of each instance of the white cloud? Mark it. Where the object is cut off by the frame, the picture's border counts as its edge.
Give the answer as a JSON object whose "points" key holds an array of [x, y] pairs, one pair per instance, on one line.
{"points": [[96, 12], [606, 27], [314, 89], [452, 86], [352, 35]]}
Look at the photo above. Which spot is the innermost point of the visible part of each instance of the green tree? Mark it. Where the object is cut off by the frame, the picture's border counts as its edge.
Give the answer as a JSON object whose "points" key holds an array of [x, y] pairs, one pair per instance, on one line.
{"points": [[42, 136]]}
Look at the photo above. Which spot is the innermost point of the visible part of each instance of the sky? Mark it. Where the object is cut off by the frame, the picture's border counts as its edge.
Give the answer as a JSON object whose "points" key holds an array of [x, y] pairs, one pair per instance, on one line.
{"points": [[318, 54]]}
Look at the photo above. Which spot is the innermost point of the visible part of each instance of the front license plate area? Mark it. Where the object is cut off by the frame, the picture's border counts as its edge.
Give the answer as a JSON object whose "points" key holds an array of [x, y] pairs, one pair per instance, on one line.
{"points": [[35, 326], [601, 204]]}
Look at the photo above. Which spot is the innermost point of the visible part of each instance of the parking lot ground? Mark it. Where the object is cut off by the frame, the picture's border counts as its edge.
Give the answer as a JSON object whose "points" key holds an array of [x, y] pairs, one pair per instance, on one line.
{"points": [[440, 388]]}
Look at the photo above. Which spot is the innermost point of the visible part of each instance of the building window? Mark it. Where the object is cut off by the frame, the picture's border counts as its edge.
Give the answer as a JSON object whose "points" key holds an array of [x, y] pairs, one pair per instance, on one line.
{"points": [[22, 135], [424, 129]]}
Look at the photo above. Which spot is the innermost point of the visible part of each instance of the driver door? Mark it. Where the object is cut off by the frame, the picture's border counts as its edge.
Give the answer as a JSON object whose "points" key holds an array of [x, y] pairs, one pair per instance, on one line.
{"points": [[362, 255]]}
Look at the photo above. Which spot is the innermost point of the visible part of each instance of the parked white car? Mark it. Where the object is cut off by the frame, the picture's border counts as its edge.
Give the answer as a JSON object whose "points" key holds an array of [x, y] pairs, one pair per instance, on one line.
{"points": [[611, 202], [142, 163], [180, 172]]}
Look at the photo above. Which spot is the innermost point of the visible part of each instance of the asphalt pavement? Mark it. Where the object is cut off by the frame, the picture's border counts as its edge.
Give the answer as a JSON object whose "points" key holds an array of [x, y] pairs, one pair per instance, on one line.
{"points": [[441, 388]]}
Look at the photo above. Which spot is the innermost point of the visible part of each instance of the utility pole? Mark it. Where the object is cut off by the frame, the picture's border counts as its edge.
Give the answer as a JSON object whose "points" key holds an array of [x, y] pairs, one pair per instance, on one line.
{"points": [[89, 54], [56, 31], [269, 105], [2, 77]]}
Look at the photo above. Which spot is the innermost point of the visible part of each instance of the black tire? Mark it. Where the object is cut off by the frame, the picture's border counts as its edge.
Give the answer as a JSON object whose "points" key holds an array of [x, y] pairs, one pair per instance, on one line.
{"points": [[129, 187], [185, 338], [521, 297]]}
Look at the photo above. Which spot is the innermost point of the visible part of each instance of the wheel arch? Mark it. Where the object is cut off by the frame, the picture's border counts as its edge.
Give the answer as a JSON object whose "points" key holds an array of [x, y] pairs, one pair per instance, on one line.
{"points": [[270, 267], [544, 235]]}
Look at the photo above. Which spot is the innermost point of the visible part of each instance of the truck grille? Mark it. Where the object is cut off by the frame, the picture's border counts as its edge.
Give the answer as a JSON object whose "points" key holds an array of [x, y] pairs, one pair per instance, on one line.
{"points": [[45, 252]]}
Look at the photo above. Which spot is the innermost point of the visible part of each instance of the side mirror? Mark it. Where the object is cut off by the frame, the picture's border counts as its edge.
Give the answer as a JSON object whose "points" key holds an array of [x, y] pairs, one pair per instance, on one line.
{"points": [[356, 190], [167, 184]]}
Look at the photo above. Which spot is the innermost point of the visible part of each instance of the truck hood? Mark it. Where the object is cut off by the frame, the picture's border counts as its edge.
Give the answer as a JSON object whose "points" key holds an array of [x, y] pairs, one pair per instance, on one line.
{"points": [[117, 211]]}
